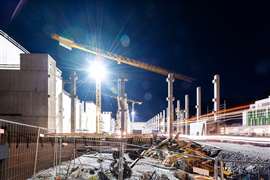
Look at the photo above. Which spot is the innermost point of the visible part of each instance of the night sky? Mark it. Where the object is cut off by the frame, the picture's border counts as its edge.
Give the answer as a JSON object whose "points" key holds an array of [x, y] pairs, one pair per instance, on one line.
{"points": [[195, 38]]}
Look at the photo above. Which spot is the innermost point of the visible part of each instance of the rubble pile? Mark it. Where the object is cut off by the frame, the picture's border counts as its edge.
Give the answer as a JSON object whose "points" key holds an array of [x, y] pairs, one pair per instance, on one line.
{"points": [[190, 158], [184, 155], [240, 165]]}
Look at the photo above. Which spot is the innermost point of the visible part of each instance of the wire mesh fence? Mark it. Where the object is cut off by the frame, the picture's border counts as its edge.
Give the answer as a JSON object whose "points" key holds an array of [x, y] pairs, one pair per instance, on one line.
{"points": [[37, 153], [18, 149]]}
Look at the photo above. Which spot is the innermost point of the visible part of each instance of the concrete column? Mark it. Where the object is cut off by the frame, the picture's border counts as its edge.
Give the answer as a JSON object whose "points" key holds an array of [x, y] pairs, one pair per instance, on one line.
{"points": [[123, 105], [170, 100], [166, 124], [186, 113], [158, 122], [73, 79], [198, 103], [98, 106], [164, 121], [177, 110], [155, 122], [216, 99]]}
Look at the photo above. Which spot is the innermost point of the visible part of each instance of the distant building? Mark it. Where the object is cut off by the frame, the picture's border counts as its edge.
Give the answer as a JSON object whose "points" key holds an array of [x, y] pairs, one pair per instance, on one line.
{"points": [[258, 114], [138, 127]]}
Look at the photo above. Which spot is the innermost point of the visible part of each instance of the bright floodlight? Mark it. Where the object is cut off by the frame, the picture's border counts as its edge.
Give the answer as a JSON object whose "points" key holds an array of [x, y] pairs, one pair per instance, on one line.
{"points": [[97, 70]]}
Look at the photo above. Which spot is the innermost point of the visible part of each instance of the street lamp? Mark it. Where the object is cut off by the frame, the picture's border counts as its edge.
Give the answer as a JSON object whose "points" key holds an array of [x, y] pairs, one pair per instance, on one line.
{"points": [[98, 72]]}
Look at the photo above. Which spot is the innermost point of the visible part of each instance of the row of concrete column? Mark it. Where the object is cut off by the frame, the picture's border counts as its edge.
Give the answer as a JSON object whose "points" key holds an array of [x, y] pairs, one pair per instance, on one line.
{"points": [[160, 122]]}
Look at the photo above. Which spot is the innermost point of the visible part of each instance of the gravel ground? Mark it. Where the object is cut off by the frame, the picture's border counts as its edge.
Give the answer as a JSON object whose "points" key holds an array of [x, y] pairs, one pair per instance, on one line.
{"points": [[90, 161], [248, 150]]}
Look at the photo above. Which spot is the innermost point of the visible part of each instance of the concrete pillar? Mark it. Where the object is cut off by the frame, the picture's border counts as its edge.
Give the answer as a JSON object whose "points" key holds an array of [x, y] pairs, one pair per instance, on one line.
{"points": [[186, 113], [123, 105], [164, 121], [73, 79], [98, 106], [166, 124], [177, 110], [158, 122], [170, 100], [132, 115], [216, 99], [198, 102]]}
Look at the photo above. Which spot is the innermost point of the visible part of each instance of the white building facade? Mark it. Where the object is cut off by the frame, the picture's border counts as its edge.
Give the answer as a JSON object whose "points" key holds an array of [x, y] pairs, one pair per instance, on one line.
{"points": [[32, 92], [258, 113]]}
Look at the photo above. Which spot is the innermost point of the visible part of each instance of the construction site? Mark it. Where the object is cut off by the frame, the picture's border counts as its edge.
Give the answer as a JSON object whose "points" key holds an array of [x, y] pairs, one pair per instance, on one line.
{"points": [[47, 131]]}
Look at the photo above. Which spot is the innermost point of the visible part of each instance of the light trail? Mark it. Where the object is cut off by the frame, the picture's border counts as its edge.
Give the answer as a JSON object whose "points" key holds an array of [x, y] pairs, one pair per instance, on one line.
{"points": [[234, 139]]}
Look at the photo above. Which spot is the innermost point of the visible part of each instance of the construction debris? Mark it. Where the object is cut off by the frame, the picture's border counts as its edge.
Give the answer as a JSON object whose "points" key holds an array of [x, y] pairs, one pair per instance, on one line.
{"points": [[193, 159], [171, 158], [115, 166]]}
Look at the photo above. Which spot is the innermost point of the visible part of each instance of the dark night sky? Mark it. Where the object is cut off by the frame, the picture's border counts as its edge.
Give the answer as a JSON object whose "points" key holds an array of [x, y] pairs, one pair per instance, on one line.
{"points": [[195, 38]]}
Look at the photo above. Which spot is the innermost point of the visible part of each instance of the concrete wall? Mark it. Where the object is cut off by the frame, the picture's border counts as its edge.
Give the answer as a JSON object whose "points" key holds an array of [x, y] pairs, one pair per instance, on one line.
{"points": [[106, 120], [78, 107], [88, 117], [66, 121], [59, 101], [24, 93]]}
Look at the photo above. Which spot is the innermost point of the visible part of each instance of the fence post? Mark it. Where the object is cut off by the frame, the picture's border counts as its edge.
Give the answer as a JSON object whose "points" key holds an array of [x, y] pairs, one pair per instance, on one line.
{"points": [[216, 169], [55, 155], [60, 154], [268, 172], [121, 163], [36, 155], [221, 170]]}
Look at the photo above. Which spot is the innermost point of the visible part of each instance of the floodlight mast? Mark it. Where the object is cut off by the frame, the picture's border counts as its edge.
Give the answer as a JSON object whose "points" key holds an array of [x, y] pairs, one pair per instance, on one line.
{"points": [[98, 72], [121, 59]]}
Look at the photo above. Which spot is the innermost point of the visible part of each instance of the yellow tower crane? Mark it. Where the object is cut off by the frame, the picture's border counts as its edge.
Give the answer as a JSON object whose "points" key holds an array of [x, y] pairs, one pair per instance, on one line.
{"points": [[69, 44]]}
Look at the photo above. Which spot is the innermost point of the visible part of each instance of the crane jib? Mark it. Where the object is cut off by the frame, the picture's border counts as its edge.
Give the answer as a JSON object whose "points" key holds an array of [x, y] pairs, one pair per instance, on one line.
{"points": [[119, 59]]}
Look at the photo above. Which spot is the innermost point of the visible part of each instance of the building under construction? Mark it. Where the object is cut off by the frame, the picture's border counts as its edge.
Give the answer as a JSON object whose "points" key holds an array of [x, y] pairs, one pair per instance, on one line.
{"points": [[32, 93], [48, 133]]}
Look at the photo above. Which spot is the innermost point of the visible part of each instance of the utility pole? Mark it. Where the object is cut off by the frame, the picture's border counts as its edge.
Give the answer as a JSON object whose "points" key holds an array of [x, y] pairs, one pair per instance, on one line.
{"points": [[170, 100], [73, 79]]}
